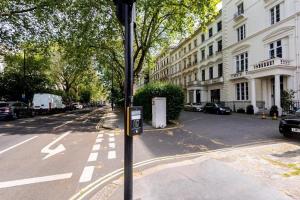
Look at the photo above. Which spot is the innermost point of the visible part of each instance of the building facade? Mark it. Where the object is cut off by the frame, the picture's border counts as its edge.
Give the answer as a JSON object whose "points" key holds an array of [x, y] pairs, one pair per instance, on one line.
{"points": [[247, 56]]}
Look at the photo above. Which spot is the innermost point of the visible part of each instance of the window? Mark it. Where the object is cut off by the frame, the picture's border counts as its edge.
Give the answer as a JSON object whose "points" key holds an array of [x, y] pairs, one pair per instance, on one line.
{"points": [[219, 26], [242, 62], [195, 58], [220, 70], [190, 61], [210, 50], [240, 8], [203, 54], [195, 76], [184, 50], [210, 32], [211, 73], [241, 32], [190, 46], [276, 49], [275, 14], [203, 74], [195, 43], [220, 46], [202, 37], [242, 91]]}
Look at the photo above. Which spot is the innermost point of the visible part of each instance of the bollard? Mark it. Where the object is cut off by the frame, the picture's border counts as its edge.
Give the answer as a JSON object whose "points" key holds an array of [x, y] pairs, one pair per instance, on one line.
{"points": [[263, 116], [274, 116]]}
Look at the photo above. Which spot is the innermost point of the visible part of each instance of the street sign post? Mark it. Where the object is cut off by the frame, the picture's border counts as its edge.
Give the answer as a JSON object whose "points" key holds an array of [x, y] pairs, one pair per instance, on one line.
{"points": [[125, 10]]}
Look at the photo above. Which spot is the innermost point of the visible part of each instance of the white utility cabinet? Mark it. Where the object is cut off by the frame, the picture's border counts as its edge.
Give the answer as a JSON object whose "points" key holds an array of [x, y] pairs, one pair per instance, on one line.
{"points": [[159, 112]]}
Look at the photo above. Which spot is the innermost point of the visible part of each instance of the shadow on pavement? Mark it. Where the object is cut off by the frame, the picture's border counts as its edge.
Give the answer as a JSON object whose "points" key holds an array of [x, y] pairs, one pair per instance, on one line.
{"points": [[79, 120], [203, 132]]}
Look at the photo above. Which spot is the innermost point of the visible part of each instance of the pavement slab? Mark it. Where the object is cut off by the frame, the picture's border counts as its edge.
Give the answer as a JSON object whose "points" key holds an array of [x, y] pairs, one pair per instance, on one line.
{"points": [[207, 180]]}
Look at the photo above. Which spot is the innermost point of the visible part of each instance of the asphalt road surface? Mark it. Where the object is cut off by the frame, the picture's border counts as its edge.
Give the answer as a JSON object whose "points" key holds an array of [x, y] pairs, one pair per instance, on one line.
{"points": [[55, 156]]}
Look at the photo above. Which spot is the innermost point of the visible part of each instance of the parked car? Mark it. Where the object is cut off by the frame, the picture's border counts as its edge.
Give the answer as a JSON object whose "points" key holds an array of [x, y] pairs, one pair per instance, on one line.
{"points": [[14, 110], [194, 107], [44, 102], [215, 108], [77, 106], [290, 125]]}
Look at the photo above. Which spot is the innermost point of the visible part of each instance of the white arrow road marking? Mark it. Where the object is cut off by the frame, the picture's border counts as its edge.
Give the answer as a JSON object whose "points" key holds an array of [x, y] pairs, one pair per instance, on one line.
{"points": [[41, 179], [14, 146], [58, 149]]}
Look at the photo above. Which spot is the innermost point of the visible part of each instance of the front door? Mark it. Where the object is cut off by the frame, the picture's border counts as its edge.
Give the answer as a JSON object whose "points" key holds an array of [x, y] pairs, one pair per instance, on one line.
{"points": [[198, 96], [215, 95]]}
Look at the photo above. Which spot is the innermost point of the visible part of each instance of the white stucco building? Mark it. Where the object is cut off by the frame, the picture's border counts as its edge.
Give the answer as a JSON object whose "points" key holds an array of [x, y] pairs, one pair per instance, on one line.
{"points": [[247, 56]]}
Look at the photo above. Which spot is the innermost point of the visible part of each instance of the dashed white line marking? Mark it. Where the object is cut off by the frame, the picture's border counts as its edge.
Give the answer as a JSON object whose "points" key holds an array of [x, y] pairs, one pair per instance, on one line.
{"points": [[16, 145], [111, 139], [111, 155], [35, 180], [100, 136], [87, 174], [99, 140], [96, 147], [112, 145], [93, 157]]}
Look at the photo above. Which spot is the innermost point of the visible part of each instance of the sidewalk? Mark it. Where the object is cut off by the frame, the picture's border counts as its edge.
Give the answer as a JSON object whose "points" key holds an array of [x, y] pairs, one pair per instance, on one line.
{"points": [[209, 179], [249, 173]]}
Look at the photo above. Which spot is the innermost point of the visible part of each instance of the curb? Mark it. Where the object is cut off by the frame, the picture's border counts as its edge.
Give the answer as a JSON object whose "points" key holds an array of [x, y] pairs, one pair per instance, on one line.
{"points": [[116, 174]]}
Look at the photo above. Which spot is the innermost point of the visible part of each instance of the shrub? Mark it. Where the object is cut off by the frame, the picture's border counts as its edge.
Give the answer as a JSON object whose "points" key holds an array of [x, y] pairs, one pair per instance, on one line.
{"points": [[174, 94], [250, 110], [274, 110], [240, 110]]}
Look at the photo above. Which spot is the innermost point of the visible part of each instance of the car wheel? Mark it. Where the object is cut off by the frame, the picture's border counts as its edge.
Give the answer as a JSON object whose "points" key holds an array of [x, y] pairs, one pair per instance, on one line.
{"points": [[287, 134], [14, 116]]}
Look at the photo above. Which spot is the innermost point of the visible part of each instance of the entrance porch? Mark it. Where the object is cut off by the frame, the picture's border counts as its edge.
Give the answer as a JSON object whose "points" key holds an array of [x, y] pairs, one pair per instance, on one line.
{"points": [[267, 80]]}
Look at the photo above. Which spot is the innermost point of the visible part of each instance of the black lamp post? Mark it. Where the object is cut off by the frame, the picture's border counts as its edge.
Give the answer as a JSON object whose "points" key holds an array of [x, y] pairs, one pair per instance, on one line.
{"points": [[125, 10]]}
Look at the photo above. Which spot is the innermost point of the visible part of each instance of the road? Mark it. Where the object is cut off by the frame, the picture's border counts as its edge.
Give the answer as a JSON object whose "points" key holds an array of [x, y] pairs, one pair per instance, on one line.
{"points": [[53, 157]]}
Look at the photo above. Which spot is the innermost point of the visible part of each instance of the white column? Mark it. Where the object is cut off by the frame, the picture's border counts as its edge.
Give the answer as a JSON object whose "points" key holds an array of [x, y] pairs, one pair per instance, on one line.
{"points": [[203, 96], [290, 83], [277, 93], [187, 96], [194, 96], [253, 95], [265, 92]]}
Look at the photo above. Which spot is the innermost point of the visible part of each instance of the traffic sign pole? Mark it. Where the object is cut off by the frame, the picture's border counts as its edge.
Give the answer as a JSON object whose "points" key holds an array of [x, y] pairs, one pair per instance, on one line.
{"points": [[128, 148]]}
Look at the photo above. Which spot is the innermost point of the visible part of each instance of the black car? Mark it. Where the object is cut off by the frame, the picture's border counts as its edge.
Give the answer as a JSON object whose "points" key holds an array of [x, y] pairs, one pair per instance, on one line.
{"points": [[215, 108], [290, 125], [14, 110]]}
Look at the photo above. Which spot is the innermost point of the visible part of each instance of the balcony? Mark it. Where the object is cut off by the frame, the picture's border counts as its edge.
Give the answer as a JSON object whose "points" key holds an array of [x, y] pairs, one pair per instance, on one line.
{"points": [[219, 52], [213, 81], [239, 75], [194, 83], [271, 63], [210, 56], [238, 16]]}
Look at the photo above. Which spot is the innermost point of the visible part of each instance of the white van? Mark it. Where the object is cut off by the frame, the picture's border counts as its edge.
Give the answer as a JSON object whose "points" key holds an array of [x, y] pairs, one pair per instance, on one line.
{"points": [[45, 101]]}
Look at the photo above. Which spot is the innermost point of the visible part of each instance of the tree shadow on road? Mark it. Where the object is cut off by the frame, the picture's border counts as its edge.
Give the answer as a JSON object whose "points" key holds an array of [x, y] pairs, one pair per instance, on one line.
{"points": [[212, 132]]}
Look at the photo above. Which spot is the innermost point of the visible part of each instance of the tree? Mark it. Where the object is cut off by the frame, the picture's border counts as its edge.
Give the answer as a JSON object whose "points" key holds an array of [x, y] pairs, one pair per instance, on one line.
{"points": [[23, 20], [158, 23], [287, 97], [25, 73]]}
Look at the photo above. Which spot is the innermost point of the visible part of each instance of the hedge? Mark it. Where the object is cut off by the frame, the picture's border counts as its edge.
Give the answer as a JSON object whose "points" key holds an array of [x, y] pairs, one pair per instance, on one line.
{"points": [[174, 94]]}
